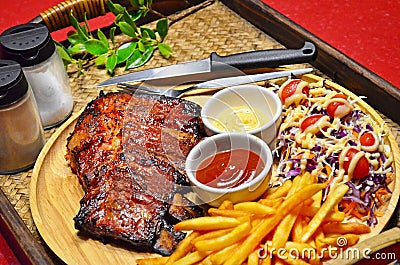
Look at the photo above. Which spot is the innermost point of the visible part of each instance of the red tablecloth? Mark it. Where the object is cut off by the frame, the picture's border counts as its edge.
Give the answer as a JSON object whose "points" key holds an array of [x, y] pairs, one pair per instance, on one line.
{"points": [[7, 257], [366, 31]]}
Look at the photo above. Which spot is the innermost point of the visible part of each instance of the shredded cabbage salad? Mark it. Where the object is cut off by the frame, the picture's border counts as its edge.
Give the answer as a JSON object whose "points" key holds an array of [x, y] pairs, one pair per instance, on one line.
{"points": [[318, 148]]}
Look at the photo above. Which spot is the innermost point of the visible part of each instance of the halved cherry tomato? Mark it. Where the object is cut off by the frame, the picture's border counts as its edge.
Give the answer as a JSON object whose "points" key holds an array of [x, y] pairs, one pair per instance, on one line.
{"points": [[331, 109], [291, 87], [361, 169], [367, 139], [310, 121]]}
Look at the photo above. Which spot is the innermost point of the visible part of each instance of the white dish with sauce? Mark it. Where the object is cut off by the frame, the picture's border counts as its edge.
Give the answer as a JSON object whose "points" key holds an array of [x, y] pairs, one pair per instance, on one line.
{"points": [[249, 188], [247, 108]]}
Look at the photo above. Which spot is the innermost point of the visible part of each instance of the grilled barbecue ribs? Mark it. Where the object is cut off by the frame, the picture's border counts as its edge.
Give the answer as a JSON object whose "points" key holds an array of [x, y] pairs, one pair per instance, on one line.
{"points": [[129, 152]]}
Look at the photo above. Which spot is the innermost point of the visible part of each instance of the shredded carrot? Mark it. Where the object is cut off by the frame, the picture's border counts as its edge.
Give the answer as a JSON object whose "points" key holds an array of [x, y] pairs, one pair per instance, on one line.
{"points": [[287, 153], [349, 208], [357, 214], [300, 156], [345, 205], [379, 193], [355, 134], [363, 193], [328, 170]]}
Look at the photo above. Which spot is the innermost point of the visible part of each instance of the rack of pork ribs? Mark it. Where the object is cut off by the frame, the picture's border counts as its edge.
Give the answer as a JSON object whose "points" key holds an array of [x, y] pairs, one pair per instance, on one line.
{"points": [[128, 152]]}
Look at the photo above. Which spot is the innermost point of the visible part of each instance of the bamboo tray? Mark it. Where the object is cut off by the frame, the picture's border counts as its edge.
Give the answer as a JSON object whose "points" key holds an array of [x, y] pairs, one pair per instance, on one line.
{"points": [[222, 26], [56, 192]]}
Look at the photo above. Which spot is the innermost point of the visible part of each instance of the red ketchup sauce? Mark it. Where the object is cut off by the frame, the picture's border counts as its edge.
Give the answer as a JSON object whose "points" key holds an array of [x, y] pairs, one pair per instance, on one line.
{"points": [[229, 169]]}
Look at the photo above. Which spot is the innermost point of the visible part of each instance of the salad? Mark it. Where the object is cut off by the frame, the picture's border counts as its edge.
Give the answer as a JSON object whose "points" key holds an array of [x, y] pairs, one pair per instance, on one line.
{"points": [[326, 133]]}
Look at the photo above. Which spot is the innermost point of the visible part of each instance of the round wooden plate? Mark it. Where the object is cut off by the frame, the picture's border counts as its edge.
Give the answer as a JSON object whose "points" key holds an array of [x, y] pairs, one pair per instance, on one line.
{"points": [[55, 194]]}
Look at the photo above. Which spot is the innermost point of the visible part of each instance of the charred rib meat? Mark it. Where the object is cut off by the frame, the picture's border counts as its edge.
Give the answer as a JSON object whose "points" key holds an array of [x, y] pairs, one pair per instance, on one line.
{"points": [[129, 152]]}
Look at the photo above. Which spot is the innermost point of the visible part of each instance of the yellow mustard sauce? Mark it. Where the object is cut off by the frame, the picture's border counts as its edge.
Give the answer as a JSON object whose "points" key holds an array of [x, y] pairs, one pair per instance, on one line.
{"points": [[240, 118]]}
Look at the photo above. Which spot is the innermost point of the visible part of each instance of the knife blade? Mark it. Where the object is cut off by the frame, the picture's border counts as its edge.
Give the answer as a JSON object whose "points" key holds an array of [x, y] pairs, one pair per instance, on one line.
{"points": [[215, 63], [218, 83], [246, 79]]}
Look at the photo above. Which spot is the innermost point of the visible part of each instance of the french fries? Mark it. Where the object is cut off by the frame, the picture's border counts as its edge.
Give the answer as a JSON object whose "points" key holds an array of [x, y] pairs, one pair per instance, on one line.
{"points": [[207, 223], [333, 199], [278, 192], [345, 228], [224, 241], [269, 230], [152, 261], [267, 225], [254, 208]]}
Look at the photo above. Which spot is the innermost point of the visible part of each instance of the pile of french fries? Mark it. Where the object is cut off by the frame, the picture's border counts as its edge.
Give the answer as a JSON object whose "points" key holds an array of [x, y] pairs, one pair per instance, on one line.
{"points": [[287, 218]]}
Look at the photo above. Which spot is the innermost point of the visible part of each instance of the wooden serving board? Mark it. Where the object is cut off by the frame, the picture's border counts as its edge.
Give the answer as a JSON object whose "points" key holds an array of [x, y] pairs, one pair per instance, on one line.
{"points": [[56, 192]]}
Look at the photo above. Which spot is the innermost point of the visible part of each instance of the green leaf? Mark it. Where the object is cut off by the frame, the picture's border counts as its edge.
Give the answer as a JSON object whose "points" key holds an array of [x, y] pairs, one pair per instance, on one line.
{"points": [[128, 19], [103, 38], [63, 53], [135, 15], [74, 38], [148, 33], [138, 59], [162, 27], [95, 47], [141, 2], [125, 51], [118, 18], [86, 27], [115, 8], [164, 49], [145, 36], [111, 63], [134, 60], [77, 49], [112, 35], [101, 60], [74, 21], [75, 24], [127, 29], [141, 46]]}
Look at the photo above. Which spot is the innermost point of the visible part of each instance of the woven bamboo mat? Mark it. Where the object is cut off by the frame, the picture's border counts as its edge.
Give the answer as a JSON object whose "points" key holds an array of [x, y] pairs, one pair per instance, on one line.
{"points": [[212, 28]]}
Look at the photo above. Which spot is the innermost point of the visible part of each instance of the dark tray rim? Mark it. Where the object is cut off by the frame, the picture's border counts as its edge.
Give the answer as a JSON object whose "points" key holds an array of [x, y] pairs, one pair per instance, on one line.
{"points": [[343, 70], [25, 247]]}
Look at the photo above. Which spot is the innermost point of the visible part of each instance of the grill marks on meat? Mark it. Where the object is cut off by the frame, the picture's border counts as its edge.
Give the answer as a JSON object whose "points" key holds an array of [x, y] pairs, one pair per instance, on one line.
{"points": [[129, 152]]}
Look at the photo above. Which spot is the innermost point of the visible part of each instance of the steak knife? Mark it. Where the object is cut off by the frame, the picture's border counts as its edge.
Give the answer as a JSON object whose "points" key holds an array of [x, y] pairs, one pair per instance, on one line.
{"points": [[215, 63], [217, 83]]}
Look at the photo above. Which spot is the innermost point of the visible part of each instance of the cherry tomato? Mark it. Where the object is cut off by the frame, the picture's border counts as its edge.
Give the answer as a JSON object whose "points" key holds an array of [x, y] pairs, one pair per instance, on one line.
{"points": [[367, 139], [332, 107], [361, 169], [291, 88], [311, 120]]}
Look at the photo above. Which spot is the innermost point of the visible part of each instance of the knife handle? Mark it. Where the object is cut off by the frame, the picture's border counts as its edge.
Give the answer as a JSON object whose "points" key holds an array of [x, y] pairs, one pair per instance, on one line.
{"points": [[265, 58]]}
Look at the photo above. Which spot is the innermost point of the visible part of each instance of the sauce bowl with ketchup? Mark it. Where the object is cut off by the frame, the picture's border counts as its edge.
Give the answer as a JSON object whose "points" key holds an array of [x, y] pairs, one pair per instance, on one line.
{"points": [[229, 166], [247, 108]]}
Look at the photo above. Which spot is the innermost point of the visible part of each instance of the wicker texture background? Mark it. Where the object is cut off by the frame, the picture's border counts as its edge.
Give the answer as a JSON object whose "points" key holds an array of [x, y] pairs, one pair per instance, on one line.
{"points": [[213, 28]]}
